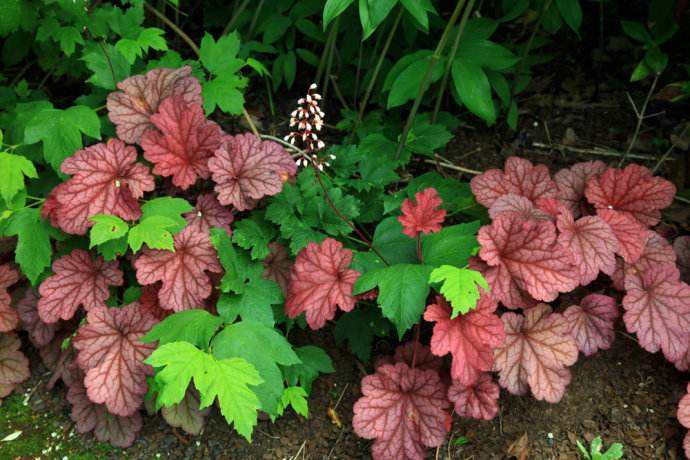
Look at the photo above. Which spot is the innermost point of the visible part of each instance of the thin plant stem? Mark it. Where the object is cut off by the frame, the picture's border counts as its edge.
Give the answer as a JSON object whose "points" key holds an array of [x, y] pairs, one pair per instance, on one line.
{"points": [[451, 57], [528, 45], [331, 53], [235, 16], [269, 91], [338, 93], [669, 151], [252, 25], [415, 345], [640, 117], [425, 79], [326, 51], [359, 71], [377, 69]]}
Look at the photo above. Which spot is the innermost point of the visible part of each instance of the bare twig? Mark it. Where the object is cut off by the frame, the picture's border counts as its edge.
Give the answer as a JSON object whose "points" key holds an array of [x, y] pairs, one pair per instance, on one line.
{"points": [[454, 167], [668, 152], [640, 114], [593, 151], [296, 456]]}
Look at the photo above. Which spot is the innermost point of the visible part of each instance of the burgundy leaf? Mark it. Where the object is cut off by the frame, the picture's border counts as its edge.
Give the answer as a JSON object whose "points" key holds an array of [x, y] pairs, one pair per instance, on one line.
{"points": [[527, 252], [470, 338], [111, 355], [131, 108], [208, 213], [422, 215], [681, 247], [404, 410], [14, 366], [106, 179], [479, 400], [630, 233], [183, 142], [535, 353], [409, 352], [517, 205], [278, 265], [9, 319], [519, 177], [40, 333], [149, 304], [657, 308], [320, 282], [186, 413], [502, 285], [78, 280], [591, 323], [246, 169], [571, 184], [185, 283]]}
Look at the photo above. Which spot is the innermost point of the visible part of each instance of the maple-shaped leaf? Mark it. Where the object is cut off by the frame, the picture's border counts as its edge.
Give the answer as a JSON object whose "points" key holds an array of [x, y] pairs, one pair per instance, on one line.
{"points": [[278, 265], [591, 323], [246, 169], [112, 355], [518, 205], [527, 253], [631, 234], [40, 332], [657, 308], [185, 283], [535, 354], [131, 108], [683, 416], [681, 246], [502, 286], [572, 181], [657, 251], [78, 280], [479, 400], [183, 142], [208, 213], [591, 244], [423, 215], [106, 179], [14, 366], [469, 338], [519, 177], [633, 191], [460, 286], [9, 319], [88, 416], [404, 410], [320, 282]]}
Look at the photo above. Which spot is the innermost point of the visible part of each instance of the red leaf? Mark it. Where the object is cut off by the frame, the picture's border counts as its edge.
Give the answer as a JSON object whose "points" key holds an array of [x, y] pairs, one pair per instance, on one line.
{"points": [[519, 177], [590, 243], [89, 416], [14, 366], [185, 283], [406, 353], [571, 184], [106, 179], [112, 356], [630, 233], [40, 333], [403, 409], [9, 319], [478, 401], [535, 353], [148, 303], [131, 108], [208, 213], [632, 191], [470, 338], [527, 252], [684, 419], [657, 308], [681, 247], [183, 142], [422, 215], [517, 205], [657, 251], [591, 323], [246, 169], [503, 286], [78, 280], [278, 265], [321, 282]]}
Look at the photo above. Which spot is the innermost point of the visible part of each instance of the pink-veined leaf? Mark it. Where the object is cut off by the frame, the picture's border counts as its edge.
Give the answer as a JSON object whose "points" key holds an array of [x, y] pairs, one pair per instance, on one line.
{"points": [[591, 244], [320, 282], [40, 332], [14, 366], [618, 275], [149, 304], [246, 169], [536, 353], [278, 265], [9, 319], [591, 323], [422, 215], [404, 410], [78, 279], [517, 205], [183, 142], [632, 191], [657, 309], [479, 400], [469, 338], [527, 253], [657, 251], [112, 357], [106, 179], [630, 233], [130, 109], [683, 416], [572, 181], [89, 416], [519, 177], [183, 272], [681, 246], [209, 213], [502, 285]]}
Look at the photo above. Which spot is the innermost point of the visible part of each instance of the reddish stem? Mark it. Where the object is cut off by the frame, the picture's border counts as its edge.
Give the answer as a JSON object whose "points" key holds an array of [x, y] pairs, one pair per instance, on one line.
{"points": [[415, 345]]}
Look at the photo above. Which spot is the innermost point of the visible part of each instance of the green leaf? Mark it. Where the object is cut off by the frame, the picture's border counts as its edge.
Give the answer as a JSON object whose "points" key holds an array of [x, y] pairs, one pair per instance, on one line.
{"points": [[225, 93], [264, 348], [194, 326], [13, 168], [149, 38], [228, 380], [453, 245], [485, 53], [61, 131], [254, 304], [290, 68], [333, 9], [15, 14], [295, 397], [107, 64], [275, 28], [418, 10], [237, 265], [406, 85], [403, 289], [315, 361], [254, 233], [656, 59], [220, 58], [34, 251], [111, 250], [393, 245], [169, 207], [155, 231], [571, 12], [640, 72], [459, 286], [106, 228], [472, 86], [372, 13], [637, 31], [359, 327]]}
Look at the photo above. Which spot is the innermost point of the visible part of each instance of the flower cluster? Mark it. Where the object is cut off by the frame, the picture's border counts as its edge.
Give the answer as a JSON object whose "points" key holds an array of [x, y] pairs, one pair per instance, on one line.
{"points": [[306, 121]]}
